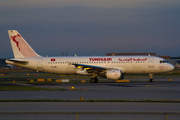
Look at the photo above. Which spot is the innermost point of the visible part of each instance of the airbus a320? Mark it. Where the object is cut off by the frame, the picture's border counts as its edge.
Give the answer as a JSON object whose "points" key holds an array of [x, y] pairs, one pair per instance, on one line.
{"points": [[111, 67]]}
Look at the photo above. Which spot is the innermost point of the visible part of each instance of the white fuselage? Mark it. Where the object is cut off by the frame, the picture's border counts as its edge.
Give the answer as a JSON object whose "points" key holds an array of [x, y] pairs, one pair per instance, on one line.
{"points": [[127, 64]]}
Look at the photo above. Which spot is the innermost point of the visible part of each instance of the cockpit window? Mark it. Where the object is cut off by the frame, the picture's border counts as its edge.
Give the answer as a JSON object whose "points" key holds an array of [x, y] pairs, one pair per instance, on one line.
{"points": [[163, 61]]}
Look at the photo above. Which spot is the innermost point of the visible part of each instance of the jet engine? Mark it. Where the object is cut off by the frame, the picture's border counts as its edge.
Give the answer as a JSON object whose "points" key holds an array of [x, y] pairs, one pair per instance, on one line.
{"points": [[114, 74]]}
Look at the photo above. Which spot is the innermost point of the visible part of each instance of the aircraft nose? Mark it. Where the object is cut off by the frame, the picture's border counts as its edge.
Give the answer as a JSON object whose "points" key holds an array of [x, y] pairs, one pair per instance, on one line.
{"points": [[171, 67]]}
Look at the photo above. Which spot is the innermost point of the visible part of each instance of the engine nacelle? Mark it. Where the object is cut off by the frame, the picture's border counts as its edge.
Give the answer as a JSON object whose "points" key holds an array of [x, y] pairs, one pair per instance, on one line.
{"points": [[114, 74]]}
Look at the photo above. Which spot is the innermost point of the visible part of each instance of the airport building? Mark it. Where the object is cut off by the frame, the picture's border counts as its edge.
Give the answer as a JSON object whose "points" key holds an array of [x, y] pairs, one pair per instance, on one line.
{"points": [[2, 63]]}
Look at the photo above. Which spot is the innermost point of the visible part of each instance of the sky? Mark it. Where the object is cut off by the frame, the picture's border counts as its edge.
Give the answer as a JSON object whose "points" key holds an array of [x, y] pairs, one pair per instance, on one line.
{"points": [[92, 27]]}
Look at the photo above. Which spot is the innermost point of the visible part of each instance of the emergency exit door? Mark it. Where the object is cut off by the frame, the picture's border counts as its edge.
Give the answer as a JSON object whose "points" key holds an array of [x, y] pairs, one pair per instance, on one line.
{"points": [[40, 63], [151, 62]]}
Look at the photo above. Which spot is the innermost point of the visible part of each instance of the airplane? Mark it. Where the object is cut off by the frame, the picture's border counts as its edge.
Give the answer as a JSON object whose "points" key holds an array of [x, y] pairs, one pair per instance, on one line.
{"points": [[111, 67]]}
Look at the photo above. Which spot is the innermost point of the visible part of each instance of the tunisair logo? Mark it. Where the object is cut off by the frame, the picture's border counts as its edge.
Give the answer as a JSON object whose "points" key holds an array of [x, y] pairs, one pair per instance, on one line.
{"points": [[14, 39], [22, 46], [133, 59], [100, 59]]}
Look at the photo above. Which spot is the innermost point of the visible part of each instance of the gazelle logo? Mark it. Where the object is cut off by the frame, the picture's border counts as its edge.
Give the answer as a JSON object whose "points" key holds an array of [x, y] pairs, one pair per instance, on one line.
{"points": [[14, 39], [115, 74]]}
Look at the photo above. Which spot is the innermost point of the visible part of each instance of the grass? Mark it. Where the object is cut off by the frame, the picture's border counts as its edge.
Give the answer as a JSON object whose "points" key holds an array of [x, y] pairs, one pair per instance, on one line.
{"points": [[26, 88]]}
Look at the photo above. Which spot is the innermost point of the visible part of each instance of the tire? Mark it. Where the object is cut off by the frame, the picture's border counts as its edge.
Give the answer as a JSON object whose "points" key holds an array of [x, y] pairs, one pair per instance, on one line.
{"points": [[151, 80], [93, 80]]}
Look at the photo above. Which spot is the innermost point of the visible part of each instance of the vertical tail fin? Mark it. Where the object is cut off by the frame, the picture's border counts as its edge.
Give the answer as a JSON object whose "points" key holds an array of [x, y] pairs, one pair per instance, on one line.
{"points": [[21, 48]]}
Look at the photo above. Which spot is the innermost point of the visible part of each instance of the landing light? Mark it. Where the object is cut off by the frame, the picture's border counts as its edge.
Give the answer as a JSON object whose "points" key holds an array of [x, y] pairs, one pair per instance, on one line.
{"points": [[79, 67]]}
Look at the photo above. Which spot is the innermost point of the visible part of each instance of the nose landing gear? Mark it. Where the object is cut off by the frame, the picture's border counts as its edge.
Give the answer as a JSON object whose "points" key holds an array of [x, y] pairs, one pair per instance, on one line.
{"points": [[151, 78]]}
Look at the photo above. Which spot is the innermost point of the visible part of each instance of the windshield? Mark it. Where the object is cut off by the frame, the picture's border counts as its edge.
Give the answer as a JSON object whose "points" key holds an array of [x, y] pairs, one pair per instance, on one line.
{"points": [[163, 61]]}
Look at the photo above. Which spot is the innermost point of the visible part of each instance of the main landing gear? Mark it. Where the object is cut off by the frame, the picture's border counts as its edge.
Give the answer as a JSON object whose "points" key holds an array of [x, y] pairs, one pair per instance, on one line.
{"points": [[151, 78], [94, 80]]}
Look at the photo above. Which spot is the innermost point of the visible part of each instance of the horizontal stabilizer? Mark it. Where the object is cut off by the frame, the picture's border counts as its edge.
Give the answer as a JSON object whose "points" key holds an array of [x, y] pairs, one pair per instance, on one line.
{"points": [[17, 61]]}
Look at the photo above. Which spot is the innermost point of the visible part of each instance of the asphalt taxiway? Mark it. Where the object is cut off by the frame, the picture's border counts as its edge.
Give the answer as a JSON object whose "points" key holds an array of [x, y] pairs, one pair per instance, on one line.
{"points": [[89, 110], [158, 90], [136, 89]]}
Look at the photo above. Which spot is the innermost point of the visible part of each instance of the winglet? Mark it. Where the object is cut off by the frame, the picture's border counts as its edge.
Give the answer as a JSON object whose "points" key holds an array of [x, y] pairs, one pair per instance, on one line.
{"points": [[21, 48]]}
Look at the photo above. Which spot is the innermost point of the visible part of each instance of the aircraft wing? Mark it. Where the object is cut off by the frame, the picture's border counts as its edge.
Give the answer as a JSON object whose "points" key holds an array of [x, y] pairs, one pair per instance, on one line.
{"points": [[93, 68]]}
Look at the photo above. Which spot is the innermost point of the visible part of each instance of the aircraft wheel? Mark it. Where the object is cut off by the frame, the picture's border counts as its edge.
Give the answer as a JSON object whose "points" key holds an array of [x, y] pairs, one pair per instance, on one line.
{"points": [[151, 80], [94, 80]]}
